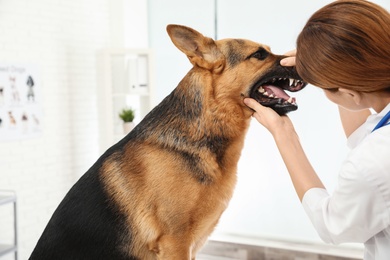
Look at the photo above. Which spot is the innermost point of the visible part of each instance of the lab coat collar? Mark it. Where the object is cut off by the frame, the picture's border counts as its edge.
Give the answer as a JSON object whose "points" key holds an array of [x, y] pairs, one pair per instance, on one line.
{"points": [[365, 129]]}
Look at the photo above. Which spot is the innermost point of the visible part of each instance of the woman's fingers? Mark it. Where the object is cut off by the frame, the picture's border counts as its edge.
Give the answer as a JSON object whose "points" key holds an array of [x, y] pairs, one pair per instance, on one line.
{"points": [[250, 102], [289, 61]]}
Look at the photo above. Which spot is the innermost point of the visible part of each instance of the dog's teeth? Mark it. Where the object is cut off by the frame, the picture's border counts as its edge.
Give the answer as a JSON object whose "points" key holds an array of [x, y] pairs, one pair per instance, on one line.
{"points": [[294, 83], [273, 80], [290, 100], [272, 95], [265, 94], [291, 81], [261, 90]]}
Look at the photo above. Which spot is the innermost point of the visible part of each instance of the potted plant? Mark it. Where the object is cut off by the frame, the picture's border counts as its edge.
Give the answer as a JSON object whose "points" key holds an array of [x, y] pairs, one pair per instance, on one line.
{"points": [[127, 116]]}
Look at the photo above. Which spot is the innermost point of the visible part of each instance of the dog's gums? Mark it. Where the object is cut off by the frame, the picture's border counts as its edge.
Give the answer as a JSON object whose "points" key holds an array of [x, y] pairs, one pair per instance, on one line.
{"points": [[270, 92], [276, 92]]}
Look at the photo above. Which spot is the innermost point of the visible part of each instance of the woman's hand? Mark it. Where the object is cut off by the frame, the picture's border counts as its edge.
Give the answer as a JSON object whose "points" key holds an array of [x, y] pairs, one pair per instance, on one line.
{"points": [[269, 118], [289, 61], [301, 172]]}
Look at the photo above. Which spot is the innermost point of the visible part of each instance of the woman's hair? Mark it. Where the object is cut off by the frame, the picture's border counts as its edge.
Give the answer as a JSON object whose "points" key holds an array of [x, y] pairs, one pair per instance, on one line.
{"points": [[346, 44]]}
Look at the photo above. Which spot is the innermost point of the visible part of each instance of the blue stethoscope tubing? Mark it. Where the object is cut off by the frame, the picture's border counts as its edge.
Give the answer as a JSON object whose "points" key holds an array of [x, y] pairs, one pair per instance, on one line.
{"points": [[383, 122]]}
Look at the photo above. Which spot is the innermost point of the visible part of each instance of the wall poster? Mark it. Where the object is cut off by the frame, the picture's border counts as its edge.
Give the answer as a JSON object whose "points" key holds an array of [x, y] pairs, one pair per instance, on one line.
{"points": [[20, 102]]}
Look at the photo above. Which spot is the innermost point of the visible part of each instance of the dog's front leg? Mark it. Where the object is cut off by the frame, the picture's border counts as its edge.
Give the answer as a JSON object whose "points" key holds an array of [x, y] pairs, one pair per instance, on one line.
{"points": [[171, 247]]}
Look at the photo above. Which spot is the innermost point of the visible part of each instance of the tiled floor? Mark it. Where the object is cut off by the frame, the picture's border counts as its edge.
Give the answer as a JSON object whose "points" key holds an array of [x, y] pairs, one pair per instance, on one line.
{"points": [[214, 250]]}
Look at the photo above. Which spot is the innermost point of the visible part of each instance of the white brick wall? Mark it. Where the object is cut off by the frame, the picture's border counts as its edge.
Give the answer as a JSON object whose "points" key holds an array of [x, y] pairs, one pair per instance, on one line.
{"points": [[61, 37]]}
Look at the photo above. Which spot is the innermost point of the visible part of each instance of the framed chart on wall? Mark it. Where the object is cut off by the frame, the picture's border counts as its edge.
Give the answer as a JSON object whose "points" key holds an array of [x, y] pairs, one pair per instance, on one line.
{"points": [[20, 102]]}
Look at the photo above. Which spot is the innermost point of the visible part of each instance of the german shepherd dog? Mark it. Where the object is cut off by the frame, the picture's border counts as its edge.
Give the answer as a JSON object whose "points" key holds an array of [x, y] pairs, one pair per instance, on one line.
{"points": [[159, 192]]}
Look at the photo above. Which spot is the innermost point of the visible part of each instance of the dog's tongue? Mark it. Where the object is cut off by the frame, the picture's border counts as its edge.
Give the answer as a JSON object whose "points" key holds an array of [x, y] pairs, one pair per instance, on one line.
{"points": [[276, 91]]}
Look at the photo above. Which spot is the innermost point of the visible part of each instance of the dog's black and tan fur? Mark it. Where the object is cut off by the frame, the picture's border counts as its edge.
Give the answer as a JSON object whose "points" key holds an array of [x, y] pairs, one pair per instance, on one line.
{"points": [[159, 192]]}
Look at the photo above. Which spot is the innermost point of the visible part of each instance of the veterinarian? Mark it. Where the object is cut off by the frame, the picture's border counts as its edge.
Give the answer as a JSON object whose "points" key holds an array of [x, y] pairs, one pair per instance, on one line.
{"points": [[344, 49]]}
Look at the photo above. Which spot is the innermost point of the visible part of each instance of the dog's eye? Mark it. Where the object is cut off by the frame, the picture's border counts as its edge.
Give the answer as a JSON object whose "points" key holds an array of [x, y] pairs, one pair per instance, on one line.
{"points": [[260, 54]]}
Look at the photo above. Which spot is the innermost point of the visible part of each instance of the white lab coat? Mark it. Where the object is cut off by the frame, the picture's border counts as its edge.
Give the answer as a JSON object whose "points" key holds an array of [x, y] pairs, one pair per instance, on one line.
{"points": [[359, 208]]}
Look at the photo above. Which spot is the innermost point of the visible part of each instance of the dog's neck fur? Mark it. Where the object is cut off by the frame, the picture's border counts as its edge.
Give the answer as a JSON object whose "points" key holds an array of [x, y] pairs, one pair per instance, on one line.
{"points": [[184, 121]]}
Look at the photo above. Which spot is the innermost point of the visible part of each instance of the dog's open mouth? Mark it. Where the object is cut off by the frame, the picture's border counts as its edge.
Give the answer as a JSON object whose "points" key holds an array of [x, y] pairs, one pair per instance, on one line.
{"points": [[270, 92]]}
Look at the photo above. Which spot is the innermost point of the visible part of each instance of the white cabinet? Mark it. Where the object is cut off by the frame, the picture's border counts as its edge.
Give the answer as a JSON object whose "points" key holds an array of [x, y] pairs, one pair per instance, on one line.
{"points": [[125, 80], [8, 198]]}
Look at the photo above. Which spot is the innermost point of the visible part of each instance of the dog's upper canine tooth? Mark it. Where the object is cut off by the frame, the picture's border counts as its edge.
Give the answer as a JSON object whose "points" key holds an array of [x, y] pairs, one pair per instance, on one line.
{"points": [[261, 90], [291, 81]]}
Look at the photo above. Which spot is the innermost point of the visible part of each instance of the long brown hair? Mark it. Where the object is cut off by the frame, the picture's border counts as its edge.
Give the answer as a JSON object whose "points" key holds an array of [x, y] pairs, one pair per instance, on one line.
{"points": [[346, 44]]}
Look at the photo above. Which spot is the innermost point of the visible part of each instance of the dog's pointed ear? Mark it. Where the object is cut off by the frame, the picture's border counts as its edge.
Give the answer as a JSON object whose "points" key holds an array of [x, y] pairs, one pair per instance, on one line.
{"points": [[200, 50]]}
